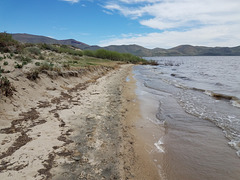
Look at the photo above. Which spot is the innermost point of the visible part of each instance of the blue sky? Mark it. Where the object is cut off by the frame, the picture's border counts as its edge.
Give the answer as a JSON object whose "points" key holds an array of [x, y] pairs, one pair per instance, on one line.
{"points": [[149, 23]]}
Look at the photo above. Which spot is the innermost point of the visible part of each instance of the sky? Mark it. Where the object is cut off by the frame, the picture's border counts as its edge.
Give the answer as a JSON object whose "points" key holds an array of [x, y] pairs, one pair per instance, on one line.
{"points": [[148, 23]]}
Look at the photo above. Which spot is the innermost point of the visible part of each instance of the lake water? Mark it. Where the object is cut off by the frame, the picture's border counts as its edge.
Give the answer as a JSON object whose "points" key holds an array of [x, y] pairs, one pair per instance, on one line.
{"points": [[191, 116]]}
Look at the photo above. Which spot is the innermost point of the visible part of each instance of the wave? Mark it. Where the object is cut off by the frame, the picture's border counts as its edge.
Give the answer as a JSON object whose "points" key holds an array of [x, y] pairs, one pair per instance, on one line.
{"points": [[235, 101], [180, 77], [159, 146], [232, 99]]}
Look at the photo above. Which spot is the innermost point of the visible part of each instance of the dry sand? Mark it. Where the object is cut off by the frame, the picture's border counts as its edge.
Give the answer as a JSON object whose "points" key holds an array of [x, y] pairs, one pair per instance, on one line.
{"points": [[72, 128]]}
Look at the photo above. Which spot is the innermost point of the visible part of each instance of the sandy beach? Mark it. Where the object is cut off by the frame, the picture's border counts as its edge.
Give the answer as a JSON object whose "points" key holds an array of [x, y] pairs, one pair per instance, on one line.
{"points": [[73, 128]]}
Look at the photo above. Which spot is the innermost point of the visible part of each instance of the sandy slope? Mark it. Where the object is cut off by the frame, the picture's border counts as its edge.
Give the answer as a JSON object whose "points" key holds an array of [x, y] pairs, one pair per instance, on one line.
{"points": [[73, 128], [63, 128]]}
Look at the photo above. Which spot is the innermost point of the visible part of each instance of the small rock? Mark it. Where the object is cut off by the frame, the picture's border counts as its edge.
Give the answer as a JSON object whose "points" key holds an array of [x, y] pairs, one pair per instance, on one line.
{"points": [[77, 156], [94, 93]]}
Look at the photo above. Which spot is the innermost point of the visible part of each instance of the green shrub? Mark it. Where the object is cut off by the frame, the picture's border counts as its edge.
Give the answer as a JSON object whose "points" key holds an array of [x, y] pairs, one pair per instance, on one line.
{"points": [[116, 56], [5, 87], [1, 58], [33, 75], [66, 66], [1, 71], [18, 66], [24, 63], [48, 47], [34, 50], [61, 49], [37, 63], [7, 44], [46, 66], [101, 53], [5, 63], [89, 53], [24, 59], [68, 50]]}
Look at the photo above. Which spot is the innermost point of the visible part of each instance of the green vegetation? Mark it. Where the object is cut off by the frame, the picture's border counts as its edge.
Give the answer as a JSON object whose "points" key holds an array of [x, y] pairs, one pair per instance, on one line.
{"points": [[89, 53], [7, 44], [18, 66], [33, 75], [37, 63], [46, 66], [34, 50], [5, 86], [114, 56], [40, 58], [61, 49]]}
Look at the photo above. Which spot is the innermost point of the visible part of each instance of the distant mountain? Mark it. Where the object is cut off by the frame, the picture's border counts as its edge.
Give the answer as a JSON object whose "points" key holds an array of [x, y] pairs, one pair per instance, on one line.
{"points": [[182, 50], [29, 38]]}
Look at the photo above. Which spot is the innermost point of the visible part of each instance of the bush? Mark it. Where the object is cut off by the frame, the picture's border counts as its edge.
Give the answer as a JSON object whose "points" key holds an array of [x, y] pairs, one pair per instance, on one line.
{"points": [[5, 87], [61, 49], [19, 66], [89, 53], [34, 50], [25, 60], [48, 47], [68, 50], [7, 44], [24, 63], [116, 56], [37, 63], [33, 75], [66, 66], [1, 71], [5, 63], [46, 66]]}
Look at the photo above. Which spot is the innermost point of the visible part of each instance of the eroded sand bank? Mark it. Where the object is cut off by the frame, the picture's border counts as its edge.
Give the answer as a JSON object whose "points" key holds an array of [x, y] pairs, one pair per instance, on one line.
{"points": [[72, 128]]}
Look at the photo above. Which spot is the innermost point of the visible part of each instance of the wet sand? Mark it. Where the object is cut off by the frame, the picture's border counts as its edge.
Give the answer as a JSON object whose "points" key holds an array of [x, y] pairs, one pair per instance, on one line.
{"points": [[138, 158]]}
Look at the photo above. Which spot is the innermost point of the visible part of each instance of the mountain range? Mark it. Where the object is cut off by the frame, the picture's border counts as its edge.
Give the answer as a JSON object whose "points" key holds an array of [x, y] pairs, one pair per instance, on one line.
{"points": [[182, 50]]}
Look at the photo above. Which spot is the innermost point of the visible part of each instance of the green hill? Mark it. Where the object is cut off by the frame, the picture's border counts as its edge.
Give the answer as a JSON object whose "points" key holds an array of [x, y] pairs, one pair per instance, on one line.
{"points": [[182, 50]]}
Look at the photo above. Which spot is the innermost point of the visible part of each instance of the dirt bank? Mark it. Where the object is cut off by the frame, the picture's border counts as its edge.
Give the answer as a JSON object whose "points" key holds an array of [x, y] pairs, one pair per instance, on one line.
{"points": [[72, 128]]}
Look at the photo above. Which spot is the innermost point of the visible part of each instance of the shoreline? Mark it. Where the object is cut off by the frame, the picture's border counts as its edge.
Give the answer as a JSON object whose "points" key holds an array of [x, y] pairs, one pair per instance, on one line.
{"points": [[140, 162], [80, 125]]}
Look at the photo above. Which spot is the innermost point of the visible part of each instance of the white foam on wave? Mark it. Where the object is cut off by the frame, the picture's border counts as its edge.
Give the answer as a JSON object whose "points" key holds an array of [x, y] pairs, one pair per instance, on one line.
{"points": [[238, 153], [209, 93], [159, 146], [235, 145], [235, 103], [156, 121]]}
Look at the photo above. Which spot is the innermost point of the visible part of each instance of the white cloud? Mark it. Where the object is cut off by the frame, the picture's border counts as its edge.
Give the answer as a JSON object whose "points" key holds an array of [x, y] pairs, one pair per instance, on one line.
{"points": [[206, 36], [205, 22], [72, 1]]}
